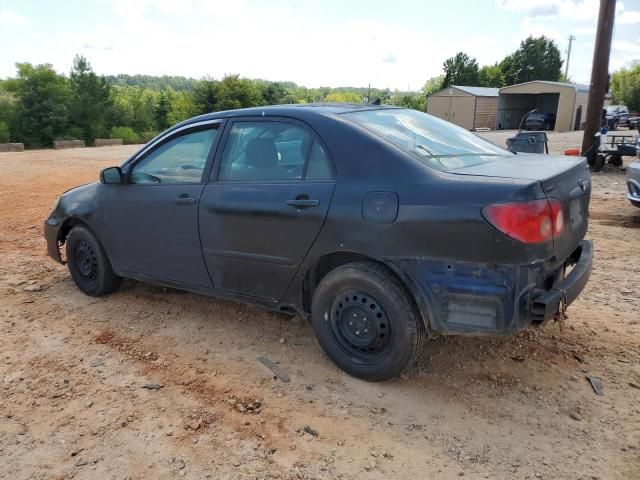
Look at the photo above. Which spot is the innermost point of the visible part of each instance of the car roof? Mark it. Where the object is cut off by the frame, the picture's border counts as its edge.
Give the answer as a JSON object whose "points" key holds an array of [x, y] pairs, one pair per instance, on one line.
{"points": [[292, 110]]}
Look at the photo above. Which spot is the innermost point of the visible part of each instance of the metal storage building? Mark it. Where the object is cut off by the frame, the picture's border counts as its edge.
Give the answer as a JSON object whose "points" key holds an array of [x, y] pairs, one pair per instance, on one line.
{"points": [[468, 107], [568, 101]]}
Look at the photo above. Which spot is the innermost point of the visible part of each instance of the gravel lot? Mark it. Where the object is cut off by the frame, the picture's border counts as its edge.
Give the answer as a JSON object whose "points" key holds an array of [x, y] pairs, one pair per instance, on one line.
{"points": [[73, 371]]}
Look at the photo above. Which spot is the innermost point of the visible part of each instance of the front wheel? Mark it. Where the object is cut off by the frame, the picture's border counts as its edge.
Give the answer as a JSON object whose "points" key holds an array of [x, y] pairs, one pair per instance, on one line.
{"points": [[88, 263], [366, 322]]}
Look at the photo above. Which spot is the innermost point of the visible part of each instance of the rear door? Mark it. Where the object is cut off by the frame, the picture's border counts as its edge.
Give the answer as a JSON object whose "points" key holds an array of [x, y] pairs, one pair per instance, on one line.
{"points": [[265, 206]]}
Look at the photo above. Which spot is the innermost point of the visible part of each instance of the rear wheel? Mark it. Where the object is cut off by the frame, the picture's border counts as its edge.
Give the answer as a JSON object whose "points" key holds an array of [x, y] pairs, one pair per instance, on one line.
{"points": [[88, 263], [366, 322]]}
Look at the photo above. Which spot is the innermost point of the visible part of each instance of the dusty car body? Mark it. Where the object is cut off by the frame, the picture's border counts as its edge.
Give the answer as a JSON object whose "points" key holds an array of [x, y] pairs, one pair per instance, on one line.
{"points": [[383, 226]]}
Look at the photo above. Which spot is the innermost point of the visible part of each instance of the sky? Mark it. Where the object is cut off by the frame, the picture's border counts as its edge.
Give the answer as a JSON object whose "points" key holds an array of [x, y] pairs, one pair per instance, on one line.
{"points": [[396, 44]]}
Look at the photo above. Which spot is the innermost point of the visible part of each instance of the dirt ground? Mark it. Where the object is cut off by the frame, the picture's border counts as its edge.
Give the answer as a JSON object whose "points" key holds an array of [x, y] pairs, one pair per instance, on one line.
{"points": [[73, 372]]}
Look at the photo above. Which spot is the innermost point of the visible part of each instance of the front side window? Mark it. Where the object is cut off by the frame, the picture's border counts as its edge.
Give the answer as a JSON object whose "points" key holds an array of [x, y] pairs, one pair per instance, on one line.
{"points": [[436, 142], [180, 160], [265, 151]]}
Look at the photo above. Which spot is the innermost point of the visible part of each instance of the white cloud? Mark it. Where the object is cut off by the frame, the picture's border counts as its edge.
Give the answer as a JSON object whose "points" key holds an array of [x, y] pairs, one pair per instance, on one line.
{"points": [[9, 18], [575, 10], [532, 8], [628, 18]]}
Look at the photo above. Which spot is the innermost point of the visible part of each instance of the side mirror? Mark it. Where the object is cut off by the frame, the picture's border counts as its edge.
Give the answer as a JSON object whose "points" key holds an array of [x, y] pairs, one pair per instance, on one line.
{"points": [[111, 176]]}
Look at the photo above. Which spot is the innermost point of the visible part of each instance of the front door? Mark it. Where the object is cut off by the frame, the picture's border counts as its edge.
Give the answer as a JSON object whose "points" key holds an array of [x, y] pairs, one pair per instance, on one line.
{"points": [[153, 218], [261, 216]]}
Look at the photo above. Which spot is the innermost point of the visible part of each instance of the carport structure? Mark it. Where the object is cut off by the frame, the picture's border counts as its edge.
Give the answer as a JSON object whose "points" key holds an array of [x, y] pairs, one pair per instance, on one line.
{"points": [[568, 101]]}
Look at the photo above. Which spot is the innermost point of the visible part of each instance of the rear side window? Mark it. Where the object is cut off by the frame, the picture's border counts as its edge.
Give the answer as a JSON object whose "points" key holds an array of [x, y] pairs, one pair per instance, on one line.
{"points": [[319, 167], [270, 151], [436, 142]]}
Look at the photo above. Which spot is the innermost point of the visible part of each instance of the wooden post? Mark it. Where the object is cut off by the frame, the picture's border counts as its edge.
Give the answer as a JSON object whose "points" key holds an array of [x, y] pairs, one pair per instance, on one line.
{"points": [[599, 72]]}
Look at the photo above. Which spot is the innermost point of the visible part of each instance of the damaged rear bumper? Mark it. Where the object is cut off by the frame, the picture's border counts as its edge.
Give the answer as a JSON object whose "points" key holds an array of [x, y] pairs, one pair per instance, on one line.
{"points": [[489, 299], [547, 304]]}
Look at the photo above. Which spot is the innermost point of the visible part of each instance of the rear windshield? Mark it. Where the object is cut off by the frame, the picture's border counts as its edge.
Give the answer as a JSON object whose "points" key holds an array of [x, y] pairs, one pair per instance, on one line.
{"points": [[435, 142]]}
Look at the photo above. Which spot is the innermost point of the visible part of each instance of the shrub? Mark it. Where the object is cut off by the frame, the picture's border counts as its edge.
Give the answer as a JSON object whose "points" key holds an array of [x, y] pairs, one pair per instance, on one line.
{"points": [[73, 133], [127, 134], [4, 133], [148, 135]]}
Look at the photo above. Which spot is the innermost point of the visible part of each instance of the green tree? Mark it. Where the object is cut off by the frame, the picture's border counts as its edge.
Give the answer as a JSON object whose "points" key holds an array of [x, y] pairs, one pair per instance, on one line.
{"points": [[205, 95], [235, 92], [491, 76], [343, 97], [161, 112], [625, 87], [536, 59], [460, 69], [5, 133], [433, 85], [91, 104], [416, 101], [135, 108], [273, 93], [181, 106], [41, 109], [8, 101]]}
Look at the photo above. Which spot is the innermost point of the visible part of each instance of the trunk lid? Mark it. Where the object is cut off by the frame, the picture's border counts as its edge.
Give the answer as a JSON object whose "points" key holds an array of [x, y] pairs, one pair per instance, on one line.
{"points": [[566, 179]]}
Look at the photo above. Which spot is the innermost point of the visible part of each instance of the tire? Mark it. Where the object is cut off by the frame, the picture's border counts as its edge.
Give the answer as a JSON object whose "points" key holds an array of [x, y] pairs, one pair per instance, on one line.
{"points": [[598, 163], [88, 263], [388, 333], [615, 160], [615, 125]]}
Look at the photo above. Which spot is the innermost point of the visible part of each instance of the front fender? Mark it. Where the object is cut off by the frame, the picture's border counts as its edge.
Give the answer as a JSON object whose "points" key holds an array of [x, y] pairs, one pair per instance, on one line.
{"points": [[81, 205]]}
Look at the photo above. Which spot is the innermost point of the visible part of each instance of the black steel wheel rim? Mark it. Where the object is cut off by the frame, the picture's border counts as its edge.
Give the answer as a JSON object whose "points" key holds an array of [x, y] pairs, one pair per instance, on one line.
{"points": [[86, 261], [361, 327]]}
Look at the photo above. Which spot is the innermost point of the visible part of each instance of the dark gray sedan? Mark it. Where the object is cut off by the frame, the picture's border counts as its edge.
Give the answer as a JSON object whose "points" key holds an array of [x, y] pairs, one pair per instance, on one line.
{"points": [[382, 226]]}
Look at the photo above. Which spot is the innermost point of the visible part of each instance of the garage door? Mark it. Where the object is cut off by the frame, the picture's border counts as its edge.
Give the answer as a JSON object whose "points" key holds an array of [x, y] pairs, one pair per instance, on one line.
{"points": [[461, 111], [439, 107]]}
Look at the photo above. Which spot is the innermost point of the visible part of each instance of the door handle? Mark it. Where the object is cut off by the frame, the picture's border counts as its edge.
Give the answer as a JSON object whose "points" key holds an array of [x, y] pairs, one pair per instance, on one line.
{"points": [[303, 203], [184, 200]]}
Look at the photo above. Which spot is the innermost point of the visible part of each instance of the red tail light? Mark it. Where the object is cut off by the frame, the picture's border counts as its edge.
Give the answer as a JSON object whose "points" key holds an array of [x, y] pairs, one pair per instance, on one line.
{"points": [[528, 222]]}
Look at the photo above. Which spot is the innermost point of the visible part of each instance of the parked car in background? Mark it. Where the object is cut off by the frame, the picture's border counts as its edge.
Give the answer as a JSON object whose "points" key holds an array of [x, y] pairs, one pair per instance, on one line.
{"points": [[384, 226], [540, 121], [617, 116]]}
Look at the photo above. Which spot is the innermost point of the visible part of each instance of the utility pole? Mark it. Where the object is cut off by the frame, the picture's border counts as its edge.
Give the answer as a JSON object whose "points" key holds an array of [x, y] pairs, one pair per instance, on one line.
{"points": [[566, 67], [599, 73]]}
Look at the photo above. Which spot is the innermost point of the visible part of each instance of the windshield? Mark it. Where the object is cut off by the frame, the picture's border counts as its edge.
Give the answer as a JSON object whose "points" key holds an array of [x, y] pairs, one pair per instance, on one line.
{"points": [[436, 142]]}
